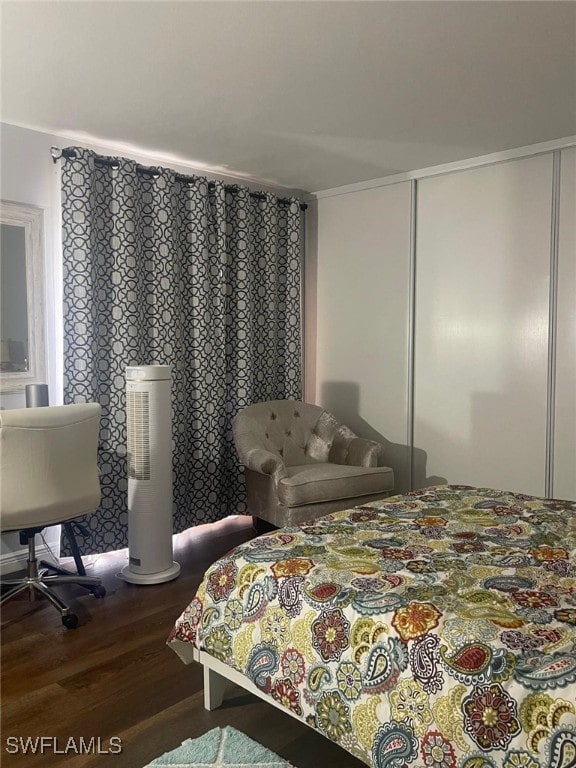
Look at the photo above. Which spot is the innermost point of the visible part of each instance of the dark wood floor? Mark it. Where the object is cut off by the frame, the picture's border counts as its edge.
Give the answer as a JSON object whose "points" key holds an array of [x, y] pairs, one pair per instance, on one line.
{"points": [[114, 675]]}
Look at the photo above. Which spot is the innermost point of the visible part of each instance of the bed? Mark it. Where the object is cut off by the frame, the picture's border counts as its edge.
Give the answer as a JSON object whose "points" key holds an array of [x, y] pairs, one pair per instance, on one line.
{"points": [[434, 630]]}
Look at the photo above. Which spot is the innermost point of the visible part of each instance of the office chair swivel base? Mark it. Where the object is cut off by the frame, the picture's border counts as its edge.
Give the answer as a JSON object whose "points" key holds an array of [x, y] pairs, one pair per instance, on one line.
{"points": [[93, 585], [40, 582], [97, 590]]}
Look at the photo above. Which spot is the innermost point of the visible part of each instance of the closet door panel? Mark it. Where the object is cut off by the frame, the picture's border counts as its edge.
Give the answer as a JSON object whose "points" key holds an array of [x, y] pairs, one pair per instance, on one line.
{"points": [[565, 413], [482, 290], [363, 315]]}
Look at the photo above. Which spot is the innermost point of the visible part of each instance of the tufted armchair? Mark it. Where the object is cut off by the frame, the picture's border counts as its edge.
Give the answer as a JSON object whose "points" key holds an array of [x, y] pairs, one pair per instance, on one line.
{"points": [[300, 463]]}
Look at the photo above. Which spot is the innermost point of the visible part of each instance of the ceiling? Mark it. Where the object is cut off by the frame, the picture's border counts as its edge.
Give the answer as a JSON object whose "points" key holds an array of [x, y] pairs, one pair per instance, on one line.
{"points": [[306, 95]]}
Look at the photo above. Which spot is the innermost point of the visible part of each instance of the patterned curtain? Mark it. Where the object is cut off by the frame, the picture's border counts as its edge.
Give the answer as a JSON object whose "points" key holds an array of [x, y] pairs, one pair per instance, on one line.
{"points": [[159, 269]]}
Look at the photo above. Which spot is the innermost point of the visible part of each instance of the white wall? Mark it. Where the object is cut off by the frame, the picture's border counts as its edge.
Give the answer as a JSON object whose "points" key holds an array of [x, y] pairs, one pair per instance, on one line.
{"points": [[480, 376], [363, 316]]}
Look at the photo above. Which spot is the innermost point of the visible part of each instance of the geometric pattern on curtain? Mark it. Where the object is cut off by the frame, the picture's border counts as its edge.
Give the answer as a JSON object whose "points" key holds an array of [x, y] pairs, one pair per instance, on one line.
{"points": [[160, 270]]}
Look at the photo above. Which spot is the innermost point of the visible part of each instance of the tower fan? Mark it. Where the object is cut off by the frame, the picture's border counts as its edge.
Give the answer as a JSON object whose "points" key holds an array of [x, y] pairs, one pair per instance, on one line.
{"points": [[149, 427]]}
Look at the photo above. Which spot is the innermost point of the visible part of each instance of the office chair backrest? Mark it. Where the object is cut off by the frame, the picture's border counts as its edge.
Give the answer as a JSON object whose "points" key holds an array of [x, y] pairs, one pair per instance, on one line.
{"points": [[48, 464]]}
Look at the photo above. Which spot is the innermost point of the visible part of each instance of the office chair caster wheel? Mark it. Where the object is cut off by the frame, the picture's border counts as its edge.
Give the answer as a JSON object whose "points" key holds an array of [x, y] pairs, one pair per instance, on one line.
{"points": [[70, 621], [99, 592]]}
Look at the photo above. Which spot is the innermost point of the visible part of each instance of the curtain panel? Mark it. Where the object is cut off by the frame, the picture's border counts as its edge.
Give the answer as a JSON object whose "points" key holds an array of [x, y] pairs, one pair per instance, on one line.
{"points": [[188, 273]]}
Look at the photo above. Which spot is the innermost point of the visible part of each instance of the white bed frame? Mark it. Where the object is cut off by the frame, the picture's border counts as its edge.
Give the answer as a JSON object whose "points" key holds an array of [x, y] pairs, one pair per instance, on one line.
{"points": [[218, 677]]}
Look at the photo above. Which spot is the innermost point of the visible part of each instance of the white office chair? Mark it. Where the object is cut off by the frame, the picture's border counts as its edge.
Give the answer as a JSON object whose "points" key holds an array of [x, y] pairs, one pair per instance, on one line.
{"points": [[48, 475]]}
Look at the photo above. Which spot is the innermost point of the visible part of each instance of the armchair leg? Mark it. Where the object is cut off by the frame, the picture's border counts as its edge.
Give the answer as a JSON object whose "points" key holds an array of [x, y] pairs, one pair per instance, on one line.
{"points": [[262, 526]]}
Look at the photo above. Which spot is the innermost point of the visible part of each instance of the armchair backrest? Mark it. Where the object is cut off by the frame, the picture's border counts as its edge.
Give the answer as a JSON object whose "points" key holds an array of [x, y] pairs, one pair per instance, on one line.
{"points": [[48, 464], [300, 433]]}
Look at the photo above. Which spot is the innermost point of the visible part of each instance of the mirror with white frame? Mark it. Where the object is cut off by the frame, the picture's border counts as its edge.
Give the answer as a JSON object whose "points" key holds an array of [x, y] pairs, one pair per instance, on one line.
{"points": [[22, 342]]}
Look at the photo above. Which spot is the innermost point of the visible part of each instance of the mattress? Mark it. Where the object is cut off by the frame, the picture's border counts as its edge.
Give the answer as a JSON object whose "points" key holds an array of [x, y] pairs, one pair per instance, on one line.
{"points": [[435, 629]]}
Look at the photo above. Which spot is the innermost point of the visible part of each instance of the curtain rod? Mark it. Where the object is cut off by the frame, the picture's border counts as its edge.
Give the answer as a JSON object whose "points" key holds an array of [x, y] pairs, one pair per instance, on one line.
{"points": [[70, 154]]}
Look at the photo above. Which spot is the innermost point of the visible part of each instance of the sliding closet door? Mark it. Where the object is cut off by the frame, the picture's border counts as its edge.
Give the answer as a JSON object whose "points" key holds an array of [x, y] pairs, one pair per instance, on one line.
{"points": [[482, 265], [363, 315], [565, 415]]}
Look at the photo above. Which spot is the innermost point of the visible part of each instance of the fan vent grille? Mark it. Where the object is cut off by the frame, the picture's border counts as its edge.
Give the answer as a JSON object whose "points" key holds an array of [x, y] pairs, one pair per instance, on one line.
{"points": [[138, 405]]}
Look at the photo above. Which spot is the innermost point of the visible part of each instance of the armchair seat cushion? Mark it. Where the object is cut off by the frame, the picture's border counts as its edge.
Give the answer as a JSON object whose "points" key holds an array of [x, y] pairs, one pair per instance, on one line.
{"points": [[315, 483], [300, 462]]}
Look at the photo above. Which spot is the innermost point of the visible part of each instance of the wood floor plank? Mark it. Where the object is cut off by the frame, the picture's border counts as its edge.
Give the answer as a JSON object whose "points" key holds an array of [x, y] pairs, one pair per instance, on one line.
{"points": [[115, 676]]}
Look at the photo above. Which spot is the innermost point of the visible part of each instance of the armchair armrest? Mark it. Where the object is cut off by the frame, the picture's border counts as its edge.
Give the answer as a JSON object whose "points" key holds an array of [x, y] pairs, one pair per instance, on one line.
{"points": [[363, 453], [263, 461], [354, 451]]}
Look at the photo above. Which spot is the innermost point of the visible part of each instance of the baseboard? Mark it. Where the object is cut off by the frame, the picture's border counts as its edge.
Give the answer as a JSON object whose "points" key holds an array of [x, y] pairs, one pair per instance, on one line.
{"points": [[11, 562]]}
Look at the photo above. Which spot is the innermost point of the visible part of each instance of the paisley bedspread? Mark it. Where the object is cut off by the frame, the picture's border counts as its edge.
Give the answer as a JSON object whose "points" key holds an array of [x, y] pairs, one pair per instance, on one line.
{"points": [[432, 630]]}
